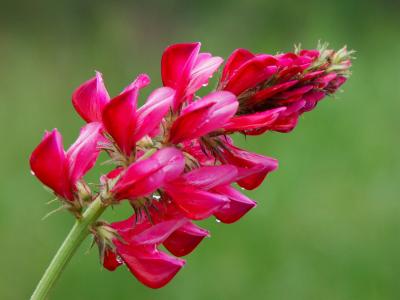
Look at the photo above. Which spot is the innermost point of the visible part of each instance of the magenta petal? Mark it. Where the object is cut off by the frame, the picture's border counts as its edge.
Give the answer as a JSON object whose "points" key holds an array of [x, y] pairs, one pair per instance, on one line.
{"points": [[186, 70], [252, 167], [138, 250], [311, 99], [149, 116], [286, 124], [323, 81], [296, 92], [204, 116], [271, 91], [125, 227], [208, 177], [82, 155], [196, 204], [293, 108], [287, 121], [141, 81], [336, 83], [145, 176], [111, 261], [49, 164], [253, 121], [176, 64], [119, 119], [224, 109], [186, 126], [312, 75], [172, 161], [140, 179], [238, 205], [204, 68], [90, 98], [150, 266], [234, 62], [252, 178], [158, 233], [310, 53], [251, 73], [184, 240]]}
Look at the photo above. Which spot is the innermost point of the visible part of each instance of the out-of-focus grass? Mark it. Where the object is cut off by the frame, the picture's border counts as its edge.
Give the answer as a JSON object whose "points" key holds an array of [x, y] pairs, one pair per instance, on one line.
{"points": [[327, 224]]}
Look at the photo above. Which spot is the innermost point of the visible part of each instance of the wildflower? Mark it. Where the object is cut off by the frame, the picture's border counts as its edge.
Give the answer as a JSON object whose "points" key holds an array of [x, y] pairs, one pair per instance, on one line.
{"points": [[186, 237], [175, 162], [186, 70], [145, 176], [193, 191], [61, 171], [203, 116], [119, 115], [137, 249]]}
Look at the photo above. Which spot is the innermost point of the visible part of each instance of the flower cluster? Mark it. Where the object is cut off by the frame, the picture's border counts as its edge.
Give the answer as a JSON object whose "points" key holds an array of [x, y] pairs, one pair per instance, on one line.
{"points": [[174, 160]]}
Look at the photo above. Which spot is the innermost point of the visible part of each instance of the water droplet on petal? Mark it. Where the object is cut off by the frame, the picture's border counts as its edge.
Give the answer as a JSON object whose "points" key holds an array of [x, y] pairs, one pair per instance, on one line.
{"points": [[119, 259], [218, 221], [33, 173]]}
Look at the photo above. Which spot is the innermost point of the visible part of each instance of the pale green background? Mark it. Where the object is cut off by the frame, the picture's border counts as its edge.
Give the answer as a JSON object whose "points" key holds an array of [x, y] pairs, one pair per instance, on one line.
{"points": [[327, 225]]}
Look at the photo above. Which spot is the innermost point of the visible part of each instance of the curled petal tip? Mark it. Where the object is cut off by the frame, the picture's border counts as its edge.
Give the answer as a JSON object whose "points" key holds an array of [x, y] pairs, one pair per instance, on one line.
{"points": [[141, 81], [90, 98]]}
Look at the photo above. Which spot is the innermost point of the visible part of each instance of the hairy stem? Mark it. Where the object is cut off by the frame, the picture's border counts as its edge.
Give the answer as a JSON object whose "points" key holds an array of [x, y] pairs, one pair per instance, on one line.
{"points": [[73, 240]]}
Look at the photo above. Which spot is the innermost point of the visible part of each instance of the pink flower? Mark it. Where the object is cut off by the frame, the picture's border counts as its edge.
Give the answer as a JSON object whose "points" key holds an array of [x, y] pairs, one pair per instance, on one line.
{"points": [[145, 176], [244, 71], [203, 116], [186, 70], [90, 99], [120, 115], [60, 170], [127, 124], [184, 239], [252, 168], [237, 206], [193, 194], [206, 191], [175, 162], [149, 116], [139, 252], [49, 164]]}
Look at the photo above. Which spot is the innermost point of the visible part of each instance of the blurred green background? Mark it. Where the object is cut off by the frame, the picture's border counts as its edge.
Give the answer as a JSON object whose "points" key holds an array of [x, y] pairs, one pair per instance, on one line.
{"points": [[328, 221]]}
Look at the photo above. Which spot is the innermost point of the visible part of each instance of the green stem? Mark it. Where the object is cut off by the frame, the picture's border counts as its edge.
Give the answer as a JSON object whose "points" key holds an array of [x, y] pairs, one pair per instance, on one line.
{"points": [[73, 240]]}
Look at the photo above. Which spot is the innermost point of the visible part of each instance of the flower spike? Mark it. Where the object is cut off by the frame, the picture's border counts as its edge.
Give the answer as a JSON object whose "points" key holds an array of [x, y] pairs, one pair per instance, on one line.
{"points": [[174, 159]]}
